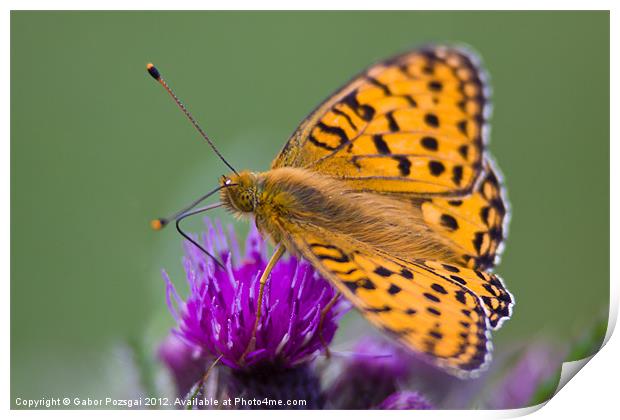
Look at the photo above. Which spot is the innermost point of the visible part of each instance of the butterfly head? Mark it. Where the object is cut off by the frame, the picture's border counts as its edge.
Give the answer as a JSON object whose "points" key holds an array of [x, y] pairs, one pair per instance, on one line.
{"points": [[239, 192]]}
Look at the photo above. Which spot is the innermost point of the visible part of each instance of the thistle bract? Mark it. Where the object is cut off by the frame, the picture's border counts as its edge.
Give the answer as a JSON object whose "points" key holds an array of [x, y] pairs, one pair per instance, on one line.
{"points": [[405, 400]]}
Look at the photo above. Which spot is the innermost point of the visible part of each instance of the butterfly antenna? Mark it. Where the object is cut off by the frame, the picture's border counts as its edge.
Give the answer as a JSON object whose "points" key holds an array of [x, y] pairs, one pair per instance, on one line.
{"points": [[189, 238], [157, 76], [161, 222]]}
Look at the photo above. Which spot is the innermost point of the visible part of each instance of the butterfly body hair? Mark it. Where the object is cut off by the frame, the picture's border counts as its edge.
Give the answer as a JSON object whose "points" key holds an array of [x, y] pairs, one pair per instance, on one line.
{"points": [[291, 201]]}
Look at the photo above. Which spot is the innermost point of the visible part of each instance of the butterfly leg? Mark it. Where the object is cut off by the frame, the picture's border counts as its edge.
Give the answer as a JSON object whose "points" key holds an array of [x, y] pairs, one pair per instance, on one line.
{"points": [[324, 312], [263, 280]]}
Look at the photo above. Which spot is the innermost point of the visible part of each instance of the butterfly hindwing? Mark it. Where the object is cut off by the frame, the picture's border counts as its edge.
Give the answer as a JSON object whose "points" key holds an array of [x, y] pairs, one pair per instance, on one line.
{"points": [[416, 303], [474, 224], [496, 299], [411, 124]]}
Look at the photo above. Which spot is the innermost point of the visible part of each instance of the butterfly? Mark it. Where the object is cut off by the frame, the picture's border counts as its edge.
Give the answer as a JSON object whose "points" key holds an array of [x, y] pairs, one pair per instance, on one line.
{"points": [[387, 189]]}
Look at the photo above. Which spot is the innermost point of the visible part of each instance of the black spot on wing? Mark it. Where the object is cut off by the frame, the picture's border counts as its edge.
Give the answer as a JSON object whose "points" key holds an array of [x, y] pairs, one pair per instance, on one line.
{"points": [[458, 279], [320, 144], [439, 288], [338, 131], [394, 289], [481, 275], [436, 167], [352, 285], [345, 273], [484, 215], [342, 258], [365, 112], [404, 165], [429, 143], [433, 311], [384, 308], [498, 205], [463, 150], [478, 238], [450, 268], [383, 87], [346, 116], [319, 245], [431, 120], [457, 174], [383, 272], [364, 283], [367, 284], [449, 222], [431, 297], [380, 144], [435, 86], [410, 100], [436, 334], [496, 233], [462, 126], [393, 125]]}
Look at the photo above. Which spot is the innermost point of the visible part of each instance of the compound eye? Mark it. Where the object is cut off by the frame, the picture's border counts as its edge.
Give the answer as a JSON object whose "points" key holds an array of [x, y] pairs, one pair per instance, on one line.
{"points": [[245, 202]]}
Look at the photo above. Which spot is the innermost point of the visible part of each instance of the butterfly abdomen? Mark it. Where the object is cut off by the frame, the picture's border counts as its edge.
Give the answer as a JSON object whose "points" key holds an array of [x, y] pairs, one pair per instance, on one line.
{"points": [[295, 200]]}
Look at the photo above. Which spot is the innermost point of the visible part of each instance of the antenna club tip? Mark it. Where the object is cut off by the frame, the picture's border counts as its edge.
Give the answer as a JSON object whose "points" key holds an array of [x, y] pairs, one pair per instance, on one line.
{"points": [[158, 224], [153, 71]]}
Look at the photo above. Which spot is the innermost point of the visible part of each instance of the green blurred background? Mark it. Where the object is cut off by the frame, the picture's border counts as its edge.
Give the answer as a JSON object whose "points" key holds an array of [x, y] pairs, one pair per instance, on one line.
{"points": [[98, 149]]}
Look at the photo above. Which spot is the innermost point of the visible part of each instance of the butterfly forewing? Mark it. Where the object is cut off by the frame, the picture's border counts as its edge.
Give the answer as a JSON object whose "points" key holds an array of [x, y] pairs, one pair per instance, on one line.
{"points": [[413, 124], [474, 224]]}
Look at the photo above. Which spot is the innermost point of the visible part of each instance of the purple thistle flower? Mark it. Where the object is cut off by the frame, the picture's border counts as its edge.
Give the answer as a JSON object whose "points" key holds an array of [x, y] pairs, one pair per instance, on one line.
{"points": [[375, 370], [219, 314], [405, 400]]}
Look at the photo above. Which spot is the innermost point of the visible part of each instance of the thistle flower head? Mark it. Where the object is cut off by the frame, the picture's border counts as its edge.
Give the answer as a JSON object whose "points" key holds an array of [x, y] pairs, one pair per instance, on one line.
{"points": [[375, 370], [219, 313]]}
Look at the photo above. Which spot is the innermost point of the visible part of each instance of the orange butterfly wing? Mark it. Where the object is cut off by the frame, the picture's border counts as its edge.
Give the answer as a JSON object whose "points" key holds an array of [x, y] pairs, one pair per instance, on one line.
{"points": [[411, 124]]}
